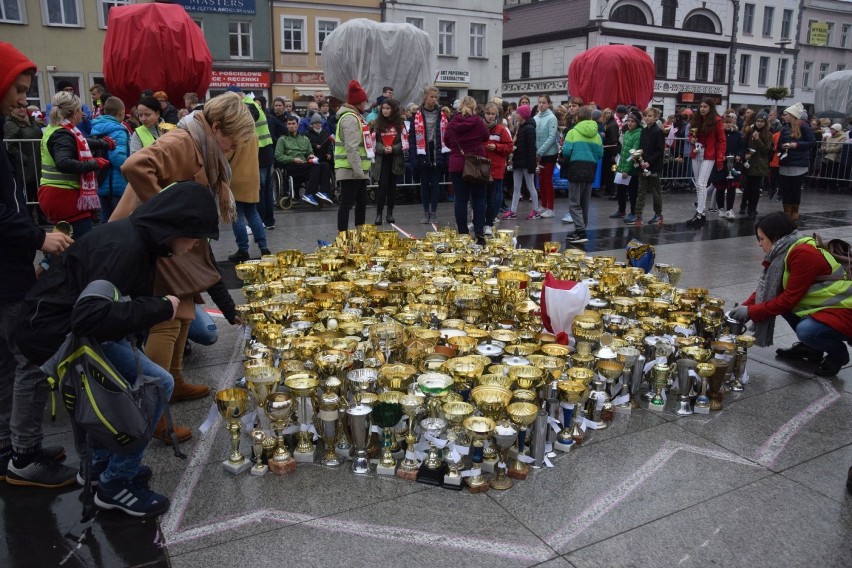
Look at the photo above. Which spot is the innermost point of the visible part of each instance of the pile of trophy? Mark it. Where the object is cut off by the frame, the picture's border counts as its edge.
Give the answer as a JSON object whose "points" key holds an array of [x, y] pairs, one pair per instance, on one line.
{"points": [[428, 356]]}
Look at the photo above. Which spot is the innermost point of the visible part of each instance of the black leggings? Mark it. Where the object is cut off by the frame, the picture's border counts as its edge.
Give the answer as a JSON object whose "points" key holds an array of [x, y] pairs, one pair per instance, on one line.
{"points": [[751, 193], [352, 192], [725, 189], [386, 192], [626, 192], [791, 189]]}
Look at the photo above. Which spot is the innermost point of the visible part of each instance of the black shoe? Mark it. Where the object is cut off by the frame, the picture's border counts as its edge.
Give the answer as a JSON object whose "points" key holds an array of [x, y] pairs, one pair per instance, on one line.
{"points": [[51, 453], [742, 212], [187, 349], [480, 240], [265, 252], [830, 367], [239, 256], [390, 218], [577, 237], [849, 481], [697, 221], [800, 352], [378, 219], [41, 472]]}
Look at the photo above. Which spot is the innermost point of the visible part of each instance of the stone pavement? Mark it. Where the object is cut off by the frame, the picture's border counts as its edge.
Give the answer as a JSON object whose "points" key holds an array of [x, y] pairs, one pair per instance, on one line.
{"points": [[760, 483]]}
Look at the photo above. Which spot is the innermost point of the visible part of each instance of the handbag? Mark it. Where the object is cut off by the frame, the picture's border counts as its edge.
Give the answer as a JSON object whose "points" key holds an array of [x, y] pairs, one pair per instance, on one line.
{"points": [[187, 274], [477, 169]]}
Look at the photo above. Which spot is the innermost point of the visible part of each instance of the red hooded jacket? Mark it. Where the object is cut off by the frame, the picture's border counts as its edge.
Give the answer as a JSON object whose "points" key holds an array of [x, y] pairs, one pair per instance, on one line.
{"points": [[502, 140]]}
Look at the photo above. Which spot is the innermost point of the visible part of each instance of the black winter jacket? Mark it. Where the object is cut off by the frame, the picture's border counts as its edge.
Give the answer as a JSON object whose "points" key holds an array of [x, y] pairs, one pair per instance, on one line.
{"points": [[652, 142], [524, 155], [63, 147]]}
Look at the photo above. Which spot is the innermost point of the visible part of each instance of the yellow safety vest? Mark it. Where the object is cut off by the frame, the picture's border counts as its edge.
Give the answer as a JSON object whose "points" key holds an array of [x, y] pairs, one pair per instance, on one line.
{"points": [[822, 295], [49, 174], [144, 135], [261, 126], [341, 159]]}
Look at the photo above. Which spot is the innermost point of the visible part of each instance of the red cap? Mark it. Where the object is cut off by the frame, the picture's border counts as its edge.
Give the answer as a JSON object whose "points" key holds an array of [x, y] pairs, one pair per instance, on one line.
{"points": [[356, 94], [12, 64]]}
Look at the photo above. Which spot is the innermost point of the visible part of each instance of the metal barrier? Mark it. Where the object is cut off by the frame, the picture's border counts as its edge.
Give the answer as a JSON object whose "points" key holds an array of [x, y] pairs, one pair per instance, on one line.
{"points": [[21, 152], [831, 164]]}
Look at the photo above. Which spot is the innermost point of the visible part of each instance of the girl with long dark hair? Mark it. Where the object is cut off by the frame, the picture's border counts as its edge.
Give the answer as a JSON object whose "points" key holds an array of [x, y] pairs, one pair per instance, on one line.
{"points": [[708, 137], [389, 159]]}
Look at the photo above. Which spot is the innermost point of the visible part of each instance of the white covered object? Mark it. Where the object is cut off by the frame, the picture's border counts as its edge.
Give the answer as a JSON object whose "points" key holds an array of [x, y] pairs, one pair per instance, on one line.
{"points": [[834, 92]]}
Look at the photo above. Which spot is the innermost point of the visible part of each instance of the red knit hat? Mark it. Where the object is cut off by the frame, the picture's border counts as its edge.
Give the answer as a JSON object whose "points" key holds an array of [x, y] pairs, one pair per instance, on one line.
{"points": [[12, 64], [356, 95]]}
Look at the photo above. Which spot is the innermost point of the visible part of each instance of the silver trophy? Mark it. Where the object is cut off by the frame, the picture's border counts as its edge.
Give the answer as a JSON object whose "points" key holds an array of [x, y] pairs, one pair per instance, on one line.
{"points": [[358, 425], [749, 153], [729, 162], [684, 382]]}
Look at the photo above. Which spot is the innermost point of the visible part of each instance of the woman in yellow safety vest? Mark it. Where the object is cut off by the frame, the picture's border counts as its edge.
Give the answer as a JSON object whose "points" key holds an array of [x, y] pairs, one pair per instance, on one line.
{"points": [[148, 110], [804, 284]]}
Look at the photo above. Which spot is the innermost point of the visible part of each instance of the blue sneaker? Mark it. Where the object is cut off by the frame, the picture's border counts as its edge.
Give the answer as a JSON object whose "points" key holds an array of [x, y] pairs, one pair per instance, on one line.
{"points": [[142, 476], [131, 497], [311, 200], [324, 198]]}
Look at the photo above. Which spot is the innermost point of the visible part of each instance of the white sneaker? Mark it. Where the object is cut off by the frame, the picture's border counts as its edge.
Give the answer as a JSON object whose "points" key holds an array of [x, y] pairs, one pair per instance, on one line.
{"points": [[567, 218], [487, 230], [730, 214], [470, 227], [546, 213]]}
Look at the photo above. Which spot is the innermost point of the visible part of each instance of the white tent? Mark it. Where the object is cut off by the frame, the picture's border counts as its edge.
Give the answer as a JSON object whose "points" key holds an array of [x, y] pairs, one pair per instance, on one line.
{"points": [[834, 93]]}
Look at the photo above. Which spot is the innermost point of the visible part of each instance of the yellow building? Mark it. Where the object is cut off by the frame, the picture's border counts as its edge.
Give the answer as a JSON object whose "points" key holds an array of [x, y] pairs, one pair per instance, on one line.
{"points": [[300, 29]]}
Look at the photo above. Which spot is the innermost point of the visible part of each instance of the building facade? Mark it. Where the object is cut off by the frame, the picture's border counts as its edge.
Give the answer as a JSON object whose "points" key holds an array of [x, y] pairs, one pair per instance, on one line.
{"points": [[825, 45]]}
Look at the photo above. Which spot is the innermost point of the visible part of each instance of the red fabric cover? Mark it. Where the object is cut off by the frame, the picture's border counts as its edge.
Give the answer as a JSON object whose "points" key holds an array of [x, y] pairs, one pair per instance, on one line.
{"points": [[156, 47], [611, 75], [805, 263]]}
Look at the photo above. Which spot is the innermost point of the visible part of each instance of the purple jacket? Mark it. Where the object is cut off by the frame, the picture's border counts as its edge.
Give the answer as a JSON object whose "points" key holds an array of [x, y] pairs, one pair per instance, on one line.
{"points": [[469, 133]]}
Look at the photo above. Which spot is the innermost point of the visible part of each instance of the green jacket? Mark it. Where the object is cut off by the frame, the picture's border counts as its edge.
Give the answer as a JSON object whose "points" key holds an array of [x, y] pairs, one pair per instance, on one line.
{"points": [[629, 141], [290, 147], [759, 162]]}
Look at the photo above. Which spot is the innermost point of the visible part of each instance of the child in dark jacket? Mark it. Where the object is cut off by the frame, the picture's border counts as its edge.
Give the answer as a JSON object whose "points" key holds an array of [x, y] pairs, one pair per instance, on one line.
{"points": [[652, 143], [726, 187], [524, 164]]}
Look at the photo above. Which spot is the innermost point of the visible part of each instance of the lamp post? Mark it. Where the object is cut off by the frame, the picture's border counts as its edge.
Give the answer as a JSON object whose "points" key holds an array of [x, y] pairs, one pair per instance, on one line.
{"points": [[781, 44]]}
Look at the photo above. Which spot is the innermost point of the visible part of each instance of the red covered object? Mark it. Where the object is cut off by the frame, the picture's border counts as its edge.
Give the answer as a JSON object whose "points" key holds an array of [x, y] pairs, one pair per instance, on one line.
{"points": [[612, 75], [156, 47]]}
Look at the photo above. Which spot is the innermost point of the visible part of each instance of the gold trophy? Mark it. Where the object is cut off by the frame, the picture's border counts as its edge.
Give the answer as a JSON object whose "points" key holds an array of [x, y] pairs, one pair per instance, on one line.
{"points": [[386, 415], [302, 386], [743, 344], [412, 405], [479, 428], [327, 422], [659, 380], [522, 414], [278, 407], [257, 440], [435, 386], [232, 405], [702, 401], [505, 434]]}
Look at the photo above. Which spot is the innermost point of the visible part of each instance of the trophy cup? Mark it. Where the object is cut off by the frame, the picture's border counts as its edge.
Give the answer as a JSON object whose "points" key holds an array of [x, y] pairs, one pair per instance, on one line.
{"points": [[435, 386], [302, 386], [232, 405], [491, 401], [262, 381], [716, 381], [455, 412], [702, 401], [386, 415], [327, 421], [522, 414], [412, 405], [749, 153], [257, 439], [636, 157], [505, 434], [659, 380], [572, 395], [743, 344], [479, 428], [684, 381], [627, 356], [609, 369], [357, 422], [729, 163], [278, 407]]}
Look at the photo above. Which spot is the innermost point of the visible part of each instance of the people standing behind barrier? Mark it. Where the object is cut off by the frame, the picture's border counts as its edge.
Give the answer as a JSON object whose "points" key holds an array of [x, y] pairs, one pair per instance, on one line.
{"points": [[25, 156], [498, 148], [294, 153], [354, 153], [612, 133], [708, 152], [832, 152], [628, 188], [524, 164], [109, 123], [467, 135], [148, 112], [547, 150], [574, 104], [305, 121], [727, 180], [758, 147], [428, 152], [582, 151], [68, 188], [794, 147], [389, 164]]}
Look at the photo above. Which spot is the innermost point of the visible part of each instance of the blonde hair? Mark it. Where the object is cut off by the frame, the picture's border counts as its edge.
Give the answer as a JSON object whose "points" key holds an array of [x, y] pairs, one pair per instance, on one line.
{"points": [[428, 90], [232, 115], [114, 107], [65, 104], [653, 110], [498, 109], [468, 106]]}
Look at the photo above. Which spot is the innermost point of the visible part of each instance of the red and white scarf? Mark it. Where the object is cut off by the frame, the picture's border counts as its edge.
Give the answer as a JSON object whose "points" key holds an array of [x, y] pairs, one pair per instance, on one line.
{"points": [[88, 200], [420, 133]]}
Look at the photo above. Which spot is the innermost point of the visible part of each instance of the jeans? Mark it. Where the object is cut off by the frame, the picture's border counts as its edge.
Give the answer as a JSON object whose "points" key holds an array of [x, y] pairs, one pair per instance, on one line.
{"points": [[475, 193], [819, 336], [247, 212], [266, 207], [430, 189], [353, 192], [203, 329], [492, 201], [120, 354], [23, 388], [579, 194]]}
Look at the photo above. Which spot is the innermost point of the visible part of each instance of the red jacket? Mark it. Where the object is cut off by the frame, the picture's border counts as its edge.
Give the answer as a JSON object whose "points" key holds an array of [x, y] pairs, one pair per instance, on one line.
{"points": [[714, 143], [502, 140], [804, 263]]}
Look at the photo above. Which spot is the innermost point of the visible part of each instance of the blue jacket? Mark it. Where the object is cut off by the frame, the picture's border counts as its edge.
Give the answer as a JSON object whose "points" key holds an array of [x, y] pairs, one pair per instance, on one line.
{"points": [[583, 149], [546, 134], [801, 154], [106, 125]]}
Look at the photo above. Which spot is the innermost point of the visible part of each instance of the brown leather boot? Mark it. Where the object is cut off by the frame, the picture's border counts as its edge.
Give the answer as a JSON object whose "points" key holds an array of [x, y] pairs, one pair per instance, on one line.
{"points": [[183, 433], [187, 391], [794, 214]]}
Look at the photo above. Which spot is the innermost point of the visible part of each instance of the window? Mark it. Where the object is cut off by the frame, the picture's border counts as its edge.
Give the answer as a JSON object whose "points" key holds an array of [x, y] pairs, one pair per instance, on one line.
{"points": [[525, 65], [748, 18], [782, 73], [11, 11], [683, 64], [720, 71], [62, 13], [702, 66], [807, 69], [324, 28], [768, 16], [104, 8], [823, 71], [34, 94], [699, 23], [745, 68], [76, 80], [830, 34], [628, 14], [844, 35], [841, 67], [762, 71], [477, 40], [239, 36], [505, 67], [293, 34], [810, 22], [669, 12], [446, 37], [416, 22], [786, 22]]}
